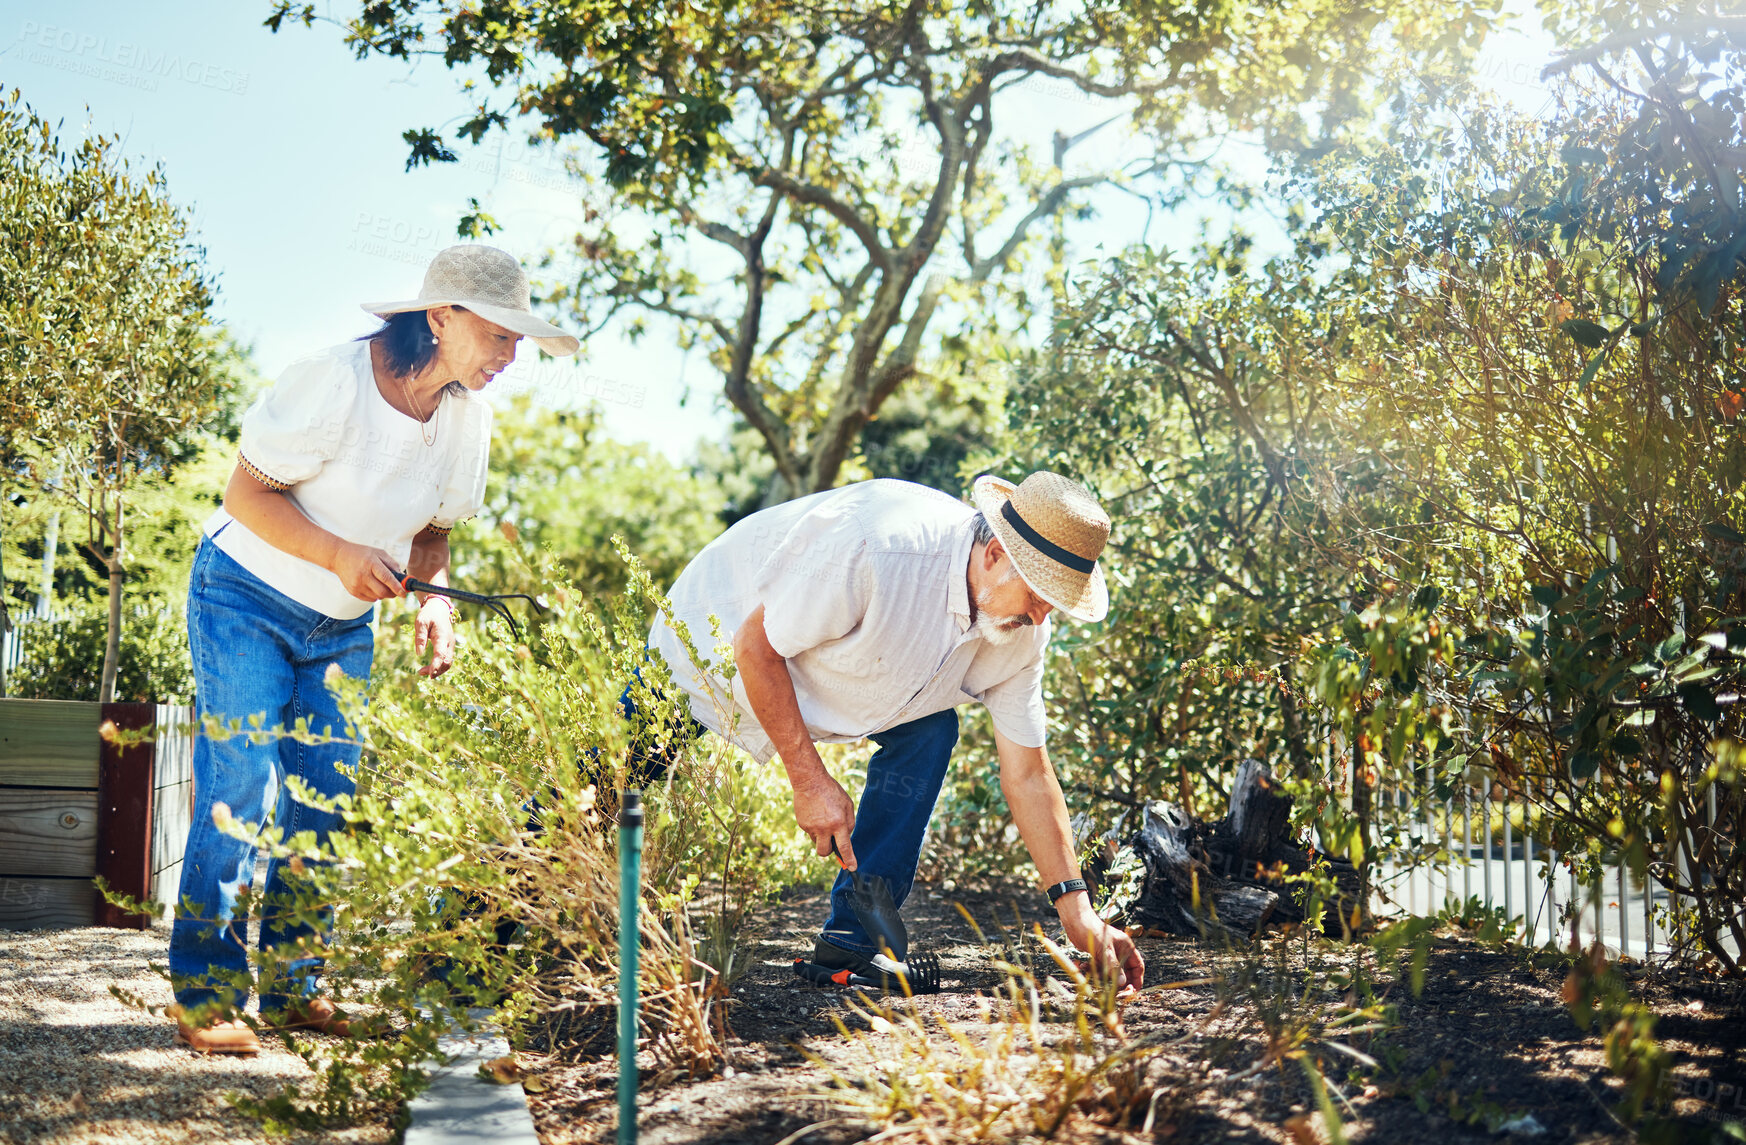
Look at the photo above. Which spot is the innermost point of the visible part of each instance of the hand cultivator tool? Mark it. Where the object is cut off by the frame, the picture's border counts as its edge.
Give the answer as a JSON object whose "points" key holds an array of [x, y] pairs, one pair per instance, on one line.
{"points": [[493, 601], [921, 973], [874, 906]]}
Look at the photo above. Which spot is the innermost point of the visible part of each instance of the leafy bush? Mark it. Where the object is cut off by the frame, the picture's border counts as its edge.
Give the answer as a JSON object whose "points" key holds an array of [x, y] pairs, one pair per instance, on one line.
{"points": [[560, 484], [63, 659], [1447, 499], [479, 866]]}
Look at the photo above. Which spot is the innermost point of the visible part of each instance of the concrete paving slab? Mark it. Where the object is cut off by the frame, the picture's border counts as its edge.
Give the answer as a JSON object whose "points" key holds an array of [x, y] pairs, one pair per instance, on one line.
{"points": [[461, 1107]]}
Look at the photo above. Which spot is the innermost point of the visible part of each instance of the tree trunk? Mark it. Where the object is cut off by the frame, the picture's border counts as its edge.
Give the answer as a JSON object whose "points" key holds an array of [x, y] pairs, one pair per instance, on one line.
{"points": [[1296, 741], [1362, 810], [1182, 876], [112, 645], [45, 595]]}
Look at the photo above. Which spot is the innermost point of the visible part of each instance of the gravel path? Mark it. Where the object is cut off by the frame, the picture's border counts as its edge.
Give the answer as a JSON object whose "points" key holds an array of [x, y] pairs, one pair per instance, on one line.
{"points": [[77, 1065]]}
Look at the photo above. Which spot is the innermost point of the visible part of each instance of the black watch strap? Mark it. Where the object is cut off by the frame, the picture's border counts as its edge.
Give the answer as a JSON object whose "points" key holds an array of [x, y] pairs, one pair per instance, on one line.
{"points": [[1065, 887]]}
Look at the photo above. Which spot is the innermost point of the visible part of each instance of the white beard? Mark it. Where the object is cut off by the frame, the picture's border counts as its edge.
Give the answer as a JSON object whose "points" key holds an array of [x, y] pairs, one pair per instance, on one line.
{"points": [[998, 629]]}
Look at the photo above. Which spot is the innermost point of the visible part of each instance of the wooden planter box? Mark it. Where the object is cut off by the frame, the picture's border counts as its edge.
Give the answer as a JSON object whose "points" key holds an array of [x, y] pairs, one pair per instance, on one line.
{"points": [[73, 806]]}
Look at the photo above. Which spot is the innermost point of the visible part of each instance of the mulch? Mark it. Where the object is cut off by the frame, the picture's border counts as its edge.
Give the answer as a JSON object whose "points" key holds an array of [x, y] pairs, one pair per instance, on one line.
{"points": [[1486, 1052]]}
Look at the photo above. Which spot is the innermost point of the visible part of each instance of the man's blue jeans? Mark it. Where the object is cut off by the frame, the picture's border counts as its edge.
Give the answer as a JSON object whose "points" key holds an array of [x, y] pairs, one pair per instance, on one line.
{"points": [[256, 652], [891, 824]]}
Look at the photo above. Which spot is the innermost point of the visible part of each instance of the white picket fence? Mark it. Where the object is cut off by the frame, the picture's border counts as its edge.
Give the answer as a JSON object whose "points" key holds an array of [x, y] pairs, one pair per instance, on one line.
{"points": [[1504, 866], [12, 640]]}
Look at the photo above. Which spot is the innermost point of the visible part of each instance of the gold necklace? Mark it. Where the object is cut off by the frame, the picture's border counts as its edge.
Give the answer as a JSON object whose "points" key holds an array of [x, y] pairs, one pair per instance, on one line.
{"points": [[419, 417]]}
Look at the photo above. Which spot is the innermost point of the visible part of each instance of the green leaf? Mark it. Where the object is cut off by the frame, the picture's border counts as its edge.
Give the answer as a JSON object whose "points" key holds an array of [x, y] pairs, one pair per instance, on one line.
{"points": [[1690, 660], [1575, 153], [1585, 333], [1584, 764], [1665, 650], [1699, 702], [1723, 532]]}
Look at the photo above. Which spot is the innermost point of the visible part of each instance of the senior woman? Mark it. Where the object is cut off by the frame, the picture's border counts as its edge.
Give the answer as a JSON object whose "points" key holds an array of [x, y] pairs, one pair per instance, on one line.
{"points": [[354, 466]]}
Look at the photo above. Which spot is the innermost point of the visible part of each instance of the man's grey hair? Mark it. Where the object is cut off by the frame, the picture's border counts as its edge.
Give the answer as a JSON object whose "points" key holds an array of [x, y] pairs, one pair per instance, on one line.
{"points": [[984, 530]]}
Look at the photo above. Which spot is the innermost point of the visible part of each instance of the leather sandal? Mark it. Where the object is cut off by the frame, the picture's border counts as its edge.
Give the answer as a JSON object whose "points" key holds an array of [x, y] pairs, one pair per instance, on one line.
{"points": [[216, 1037], [318, 1014]]}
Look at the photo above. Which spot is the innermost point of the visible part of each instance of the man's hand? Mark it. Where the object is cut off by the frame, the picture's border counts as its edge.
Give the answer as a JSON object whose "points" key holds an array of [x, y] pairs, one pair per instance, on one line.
{"points": [[1113, 953], [367, 573], [821, 806], [825, 812], [435, 629]]}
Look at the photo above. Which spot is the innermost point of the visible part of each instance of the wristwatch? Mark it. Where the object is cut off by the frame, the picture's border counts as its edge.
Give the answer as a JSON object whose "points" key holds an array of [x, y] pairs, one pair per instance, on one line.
{"points": [[1065, 887]]}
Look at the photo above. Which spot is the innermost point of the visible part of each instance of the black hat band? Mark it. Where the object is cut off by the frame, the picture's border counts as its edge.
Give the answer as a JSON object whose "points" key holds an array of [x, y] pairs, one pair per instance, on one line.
{"points": [[1043, 544]]}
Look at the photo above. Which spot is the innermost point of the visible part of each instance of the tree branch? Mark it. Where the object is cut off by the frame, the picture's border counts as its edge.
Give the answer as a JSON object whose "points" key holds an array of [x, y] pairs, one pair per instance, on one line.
{"points": [[1029, 60], [1046, 206], [815, 196], [663, 306], [708, 228], [738, 384], [1239, 407], [1730, 26], [854, 405]]}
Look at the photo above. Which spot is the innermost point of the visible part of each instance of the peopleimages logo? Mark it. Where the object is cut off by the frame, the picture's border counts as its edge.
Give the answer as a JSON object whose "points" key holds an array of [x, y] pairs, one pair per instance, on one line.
{"points": [[123, 61]]}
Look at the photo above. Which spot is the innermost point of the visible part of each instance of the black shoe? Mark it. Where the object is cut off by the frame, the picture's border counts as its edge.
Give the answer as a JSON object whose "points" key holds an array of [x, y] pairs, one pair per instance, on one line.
{"points": [[833, 965]]}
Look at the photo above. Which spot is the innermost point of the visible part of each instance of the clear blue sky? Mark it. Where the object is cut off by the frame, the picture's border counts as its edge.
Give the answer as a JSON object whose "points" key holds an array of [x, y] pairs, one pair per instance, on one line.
{"points": [[288, 151]]}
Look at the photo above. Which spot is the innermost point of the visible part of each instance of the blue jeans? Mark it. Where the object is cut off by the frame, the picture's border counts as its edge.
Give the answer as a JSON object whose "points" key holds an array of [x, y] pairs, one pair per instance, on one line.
{"points": [[649, 763], [891, 824], [256, 652]]}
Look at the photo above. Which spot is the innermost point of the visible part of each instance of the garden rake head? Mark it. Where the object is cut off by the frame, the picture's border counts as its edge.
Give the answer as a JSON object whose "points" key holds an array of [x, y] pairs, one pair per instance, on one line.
{"points": [[493, 601], [875, 908], [924, 973], [920, 975]]}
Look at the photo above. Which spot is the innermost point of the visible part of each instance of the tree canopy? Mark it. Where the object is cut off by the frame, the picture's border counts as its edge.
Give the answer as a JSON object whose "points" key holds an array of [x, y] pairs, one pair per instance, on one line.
{"points": [[110, 362], [853, 170], [1449, 497]]}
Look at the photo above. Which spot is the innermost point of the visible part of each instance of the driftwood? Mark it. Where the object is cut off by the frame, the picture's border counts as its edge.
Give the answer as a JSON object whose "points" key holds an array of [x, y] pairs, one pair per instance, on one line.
{"points": [[1182, 876]]}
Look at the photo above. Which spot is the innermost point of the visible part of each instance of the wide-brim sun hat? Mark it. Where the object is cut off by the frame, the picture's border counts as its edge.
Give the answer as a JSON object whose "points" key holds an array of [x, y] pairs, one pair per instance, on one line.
{"points": [[1054, 530], [490, 283]]}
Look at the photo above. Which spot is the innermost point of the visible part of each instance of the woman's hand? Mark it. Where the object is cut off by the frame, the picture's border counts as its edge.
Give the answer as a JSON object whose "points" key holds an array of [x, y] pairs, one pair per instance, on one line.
{"points": [[368, 574], [435, 629]]}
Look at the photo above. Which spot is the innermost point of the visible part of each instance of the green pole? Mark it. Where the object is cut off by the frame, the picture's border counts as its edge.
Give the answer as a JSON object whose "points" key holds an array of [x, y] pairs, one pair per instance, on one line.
{"points": [[630, 879]]}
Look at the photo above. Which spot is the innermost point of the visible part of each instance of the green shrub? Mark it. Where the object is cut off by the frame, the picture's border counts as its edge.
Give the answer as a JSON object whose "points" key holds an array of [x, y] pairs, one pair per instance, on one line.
{"points": [[480, 867], [63, 659]]}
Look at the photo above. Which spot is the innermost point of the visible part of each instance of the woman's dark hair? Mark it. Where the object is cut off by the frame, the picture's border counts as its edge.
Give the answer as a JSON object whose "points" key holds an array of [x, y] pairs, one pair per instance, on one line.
{"points": [[407, 346]]}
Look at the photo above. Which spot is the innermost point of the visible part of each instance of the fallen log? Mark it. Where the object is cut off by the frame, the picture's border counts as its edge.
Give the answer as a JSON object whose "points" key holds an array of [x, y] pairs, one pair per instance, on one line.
{"points": [[1178, 875]]}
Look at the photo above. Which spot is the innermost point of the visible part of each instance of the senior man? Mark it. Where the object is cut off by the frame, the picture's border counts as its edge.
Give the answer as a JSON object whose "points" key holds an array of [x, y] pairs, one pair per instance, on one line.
{"points": [[872, 612]]}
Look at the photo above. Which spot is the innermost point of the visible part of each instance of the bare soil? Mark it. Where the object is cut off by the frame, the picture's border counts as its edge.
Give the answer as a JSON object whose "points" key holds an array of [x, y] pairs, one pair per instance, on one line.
{"points": [[1486, 1045]]}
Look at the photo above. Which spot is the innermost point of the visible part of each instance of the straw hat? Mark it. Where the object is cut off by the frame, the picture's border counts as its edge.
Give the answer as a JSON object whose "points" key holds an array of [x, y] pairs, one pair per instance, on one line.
{"points": [[490, 283], [1054, 530]]}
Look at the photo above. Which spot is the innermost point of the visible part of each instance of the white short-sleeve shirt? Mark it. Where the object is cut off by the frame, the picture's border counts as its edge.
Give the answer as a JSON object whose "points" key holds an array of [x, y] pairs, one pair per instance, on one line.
{"points": [[356, 466], [865, 594]]}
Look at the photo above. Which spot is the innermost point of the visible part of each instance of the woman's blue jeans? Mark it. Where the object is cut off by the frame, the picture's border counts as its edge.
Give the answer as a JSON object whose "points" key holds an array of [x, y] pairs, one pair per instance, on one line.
{"points": [[891, 824], [256, 652]]}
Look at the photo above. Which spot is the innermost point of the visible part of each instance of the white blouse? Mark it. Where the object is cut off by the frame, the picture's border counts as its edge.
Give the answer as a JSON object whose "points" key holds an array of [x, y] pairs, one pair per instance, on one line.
{"points": [[356, 466]]}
